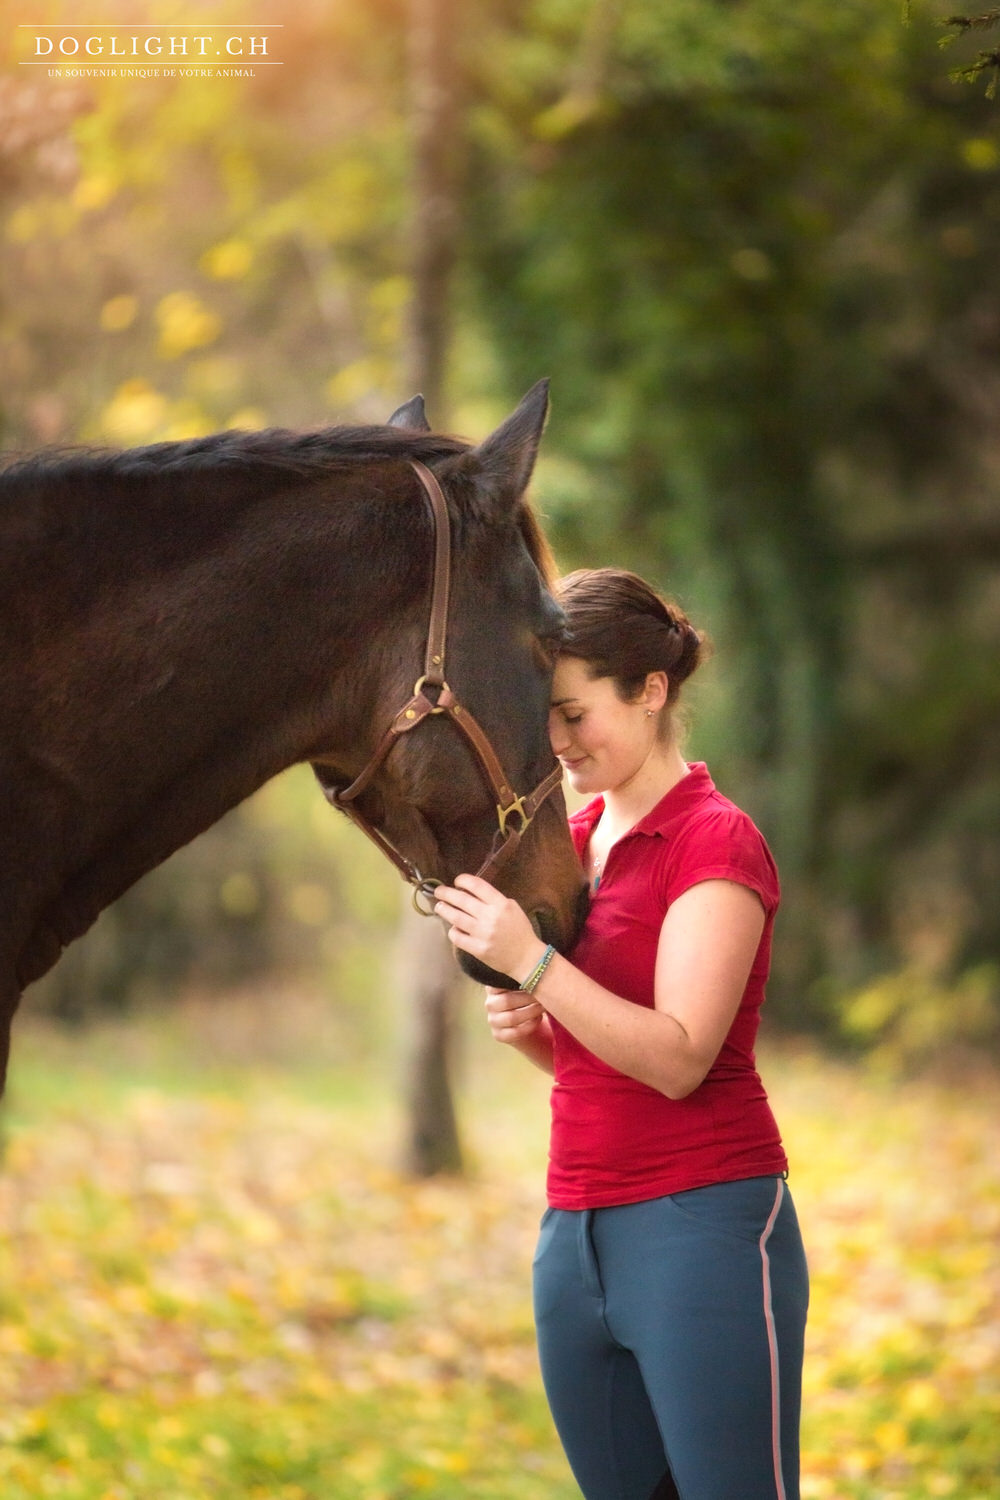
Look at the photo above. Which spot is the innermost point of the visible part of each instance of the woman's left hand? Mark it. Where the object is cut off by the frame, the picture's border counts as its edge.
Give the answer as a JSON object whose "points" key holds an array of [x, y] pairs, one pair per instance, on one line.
{"points": [[488, 925]]}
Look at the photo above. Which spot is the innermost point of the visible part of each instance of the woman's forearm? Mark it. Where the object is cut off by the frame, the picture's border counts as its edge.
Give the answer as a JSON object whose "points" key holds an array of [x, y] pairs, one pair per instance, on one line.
{"points": [[537, 1048], [650, 1046]]}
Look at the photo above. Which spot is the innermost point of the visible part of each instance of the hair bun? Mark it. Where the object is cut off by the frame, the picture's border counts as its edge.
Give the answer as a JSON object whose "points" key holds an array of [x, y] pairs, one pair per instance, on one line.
{"points": [[624, 629], [692, 644]]}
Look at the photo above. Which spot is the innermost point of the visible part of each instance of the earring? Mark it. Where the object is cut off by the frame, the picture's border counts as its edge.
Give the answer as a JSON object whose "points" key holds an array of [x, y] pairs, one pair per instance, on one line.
{"points": [[649, 713]]}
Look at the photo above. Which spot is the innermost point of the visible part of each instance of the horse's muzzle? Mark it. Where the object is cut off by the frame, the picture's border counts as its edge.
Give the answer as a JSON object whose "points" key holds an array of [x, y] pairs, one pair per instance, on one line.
{"points": [[483, 974], [545, 924]]}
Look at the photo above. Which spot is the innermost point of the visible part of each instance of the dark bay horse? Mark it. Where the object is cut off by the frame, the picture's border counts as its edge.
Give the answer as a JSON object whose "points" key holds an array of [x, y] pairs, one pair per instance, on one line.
{"points": [[179, 623]]}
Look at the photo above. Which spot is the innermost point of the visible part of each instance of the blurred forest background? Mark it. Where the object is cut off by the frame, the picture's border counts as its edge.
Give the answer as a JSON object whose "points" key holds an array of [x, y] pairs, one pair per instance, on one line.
{"points": [[756, 248]]}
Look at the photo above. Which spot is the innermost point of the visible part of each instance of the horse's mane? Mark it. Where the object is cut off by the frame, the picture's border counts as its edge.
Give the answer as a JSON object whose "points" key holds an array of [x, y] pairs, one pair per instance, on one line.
{"points": [[274, 449], [237, 452]]}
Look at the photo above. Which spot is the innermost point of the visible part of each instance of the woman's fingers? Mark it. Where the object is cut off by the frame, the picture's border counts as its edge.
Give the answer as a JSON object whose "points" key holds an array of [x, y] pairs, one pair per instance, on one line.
{"points": [[502, 1011], [449, 913], [514, 1032], [479, 888], [484, 922], [465, 913], [446, 897], [469, 893], [512, 1015]]}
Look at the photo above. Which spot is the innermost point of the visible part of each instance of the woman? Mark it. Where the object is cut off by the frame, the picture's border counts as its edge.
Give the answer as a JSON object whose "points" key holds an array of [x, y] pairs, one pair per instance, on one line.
{"points": [[670, 1281]]}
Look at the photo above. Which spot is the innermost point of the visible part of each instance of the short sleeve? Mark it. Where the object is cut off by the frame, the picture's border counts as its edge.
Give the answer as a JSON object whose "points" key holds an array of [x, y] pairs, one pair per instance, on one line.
{"points": [[721, 844]]}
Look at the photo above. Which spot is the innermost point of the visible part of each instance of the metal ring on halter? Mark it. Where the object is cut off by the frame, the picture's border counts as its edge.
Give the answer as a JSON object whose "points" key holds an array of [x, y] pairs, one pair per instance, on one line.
{"points": [[420, 707], [426, 888], [442, 687]]}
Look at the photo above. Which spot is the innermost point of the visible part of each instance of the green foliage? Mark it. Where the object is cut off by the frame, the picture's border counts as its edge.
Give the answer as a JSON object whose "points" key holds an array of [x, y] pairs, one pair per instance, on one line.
{"points": [[910, 1019], [756, 248], [985, 62], [227, 254], [761, 269]]}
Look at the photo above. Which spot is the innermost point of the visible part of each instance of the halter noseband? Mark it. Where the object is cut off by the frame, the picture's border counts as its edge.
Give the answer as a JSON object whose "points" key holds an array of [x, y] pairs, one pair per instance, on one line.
{"points": [[514, 813]]}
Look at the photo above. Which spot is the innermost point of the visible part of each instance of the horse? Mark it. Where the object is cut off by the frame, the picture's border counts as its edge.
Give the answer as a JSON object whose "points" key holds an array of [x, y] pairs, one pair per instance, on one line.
{"points": [[183, 621]]}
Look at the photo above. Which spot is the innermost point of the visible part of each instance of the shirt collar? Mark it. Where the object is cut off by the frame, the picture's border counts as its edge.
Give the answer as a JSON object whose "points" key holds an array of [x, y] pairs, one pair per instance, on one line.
{"points": [[671, 809]]}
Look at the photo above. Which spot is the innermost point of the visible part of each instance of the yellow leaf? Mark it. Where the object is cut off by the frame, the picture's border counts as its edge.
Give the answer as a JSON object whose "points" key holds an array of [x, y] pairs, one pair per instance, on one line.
{"points": [[922, 1399], [353, 383], [230, 260], [185, 323], [891, 1437], [119, 313], [135, 413], [980, 153], [249, 419], [94, 191]]}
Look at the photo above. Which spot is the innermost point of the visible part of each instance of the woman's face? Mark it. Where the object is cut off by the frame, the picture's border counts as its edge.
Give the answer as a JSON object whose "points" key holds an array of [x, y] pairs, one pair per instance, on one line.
{"points": [[601, 741]]}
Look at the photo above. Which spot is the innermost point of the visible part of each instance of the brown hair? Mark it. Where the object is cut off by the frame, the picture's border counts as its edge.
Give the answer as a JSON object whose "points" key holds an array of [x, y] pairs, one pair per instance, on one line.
{"points": [[622, 628]]}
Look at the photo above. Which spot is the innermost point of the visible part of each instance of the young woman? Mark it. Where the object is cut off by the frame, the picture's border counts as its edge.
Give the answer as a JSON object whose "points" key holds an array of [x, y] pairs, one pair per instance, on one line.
{"points": [[670, 1280]]}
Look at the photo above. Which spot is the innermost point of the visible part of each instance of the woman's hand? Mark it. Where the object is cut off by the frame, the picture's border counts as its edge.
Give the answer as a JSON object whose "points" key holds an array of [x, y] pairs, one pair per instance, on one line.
{"points": [[513, 1016], [488, 925]]}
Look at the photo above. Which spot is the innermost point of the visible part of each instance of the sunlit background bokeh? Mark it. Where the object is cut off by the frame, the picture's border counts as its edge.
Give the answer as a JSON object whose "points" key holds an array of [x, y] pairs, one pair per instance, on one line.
{"points": [[756, 248]]}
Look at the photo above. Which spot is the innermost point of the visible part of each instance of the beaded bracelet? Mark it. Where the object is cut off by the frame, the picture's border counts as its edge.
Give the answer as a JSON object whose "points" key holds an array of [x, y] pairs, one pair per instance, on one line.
{"points": [[531, 983]]}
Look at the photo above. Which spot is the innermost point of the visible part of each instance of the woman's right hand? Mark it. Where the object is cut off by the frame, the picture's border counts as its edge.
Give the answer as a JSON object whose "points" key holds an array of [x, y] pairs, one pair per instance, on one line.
{"points": [[513, 1016]]}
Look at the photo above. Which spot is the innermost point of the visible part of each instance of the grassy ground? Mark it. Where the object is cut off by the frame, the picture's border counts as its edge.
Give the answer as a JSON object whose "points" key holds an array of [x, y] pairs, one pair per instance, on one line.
{"points": [[214, 1284]]}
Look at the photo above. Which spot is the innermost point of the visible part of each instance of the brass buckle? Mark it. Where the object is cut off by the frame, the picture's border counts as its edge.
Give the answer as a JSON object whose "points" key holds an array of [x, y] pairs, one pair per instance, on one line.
{"points": [[418, 688], [518, 807]]}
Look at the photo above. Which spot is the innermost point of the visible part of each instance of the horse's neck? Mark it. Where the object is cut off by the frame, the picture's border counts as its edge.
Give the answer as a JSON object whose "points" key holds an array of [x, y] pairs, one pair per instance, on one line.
{"points": [[212, 663]]}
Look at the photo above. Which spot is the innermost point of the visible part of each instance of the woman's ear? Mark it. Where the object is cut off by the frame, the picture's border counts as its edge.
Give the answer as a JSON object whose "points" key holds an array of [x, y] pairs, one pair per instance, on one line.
{"points": [[654, 693]]}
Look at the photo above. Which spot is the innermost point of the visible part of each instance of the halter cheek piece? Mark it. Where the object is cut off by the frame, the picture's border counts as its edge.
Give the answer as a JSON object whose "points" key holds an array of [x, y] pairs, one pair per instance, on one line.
{"points": [[514, 813]]}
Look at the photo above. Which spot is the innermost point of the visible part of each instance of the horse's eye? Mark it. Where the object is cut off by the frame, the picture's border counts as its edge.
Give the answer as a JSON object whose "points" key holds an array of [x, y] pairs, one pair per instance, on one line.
{"points": [[545, 651]]}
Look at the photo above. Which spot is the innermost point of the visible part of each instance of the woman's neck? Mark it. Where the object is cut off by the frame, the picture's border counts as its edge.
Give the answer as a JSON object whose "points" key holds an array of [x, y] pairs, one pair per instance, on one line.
{"points": [[626, 804]]}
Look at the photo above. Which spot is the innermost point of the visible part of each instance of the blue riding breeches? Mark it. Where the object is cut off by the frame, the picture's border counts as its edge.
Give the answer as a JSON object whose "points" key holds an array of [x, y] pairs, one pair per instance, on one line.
{"points": [[670, 1334]]}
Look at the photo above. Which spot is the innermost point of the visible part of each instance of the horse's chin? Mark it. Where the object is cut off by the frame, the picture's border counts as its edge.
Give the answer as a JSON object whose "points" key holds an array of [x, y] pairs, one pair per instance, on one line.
{"points": [[483, 974]]}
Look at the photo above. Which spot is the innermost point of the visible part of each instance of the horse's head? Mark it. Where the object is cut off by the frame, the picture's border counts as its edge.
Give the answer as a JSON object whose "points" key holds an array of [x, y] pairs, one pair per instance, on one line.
{"points": [[430, 797]]}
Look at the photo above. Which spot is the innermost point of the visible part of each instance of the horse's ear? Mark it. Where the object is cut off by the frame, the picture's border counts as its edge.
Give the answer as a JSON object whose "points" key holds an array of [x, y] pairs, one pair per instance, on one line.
{"points": [[412, 415], [501, 466]]}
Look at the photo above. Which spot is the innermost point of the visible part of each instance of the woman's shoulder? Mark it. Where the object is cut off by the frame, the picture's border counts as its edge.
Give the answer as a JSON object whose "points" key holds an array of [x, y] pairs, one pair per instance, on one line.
{"points": [[718, 840], [717, 813]]}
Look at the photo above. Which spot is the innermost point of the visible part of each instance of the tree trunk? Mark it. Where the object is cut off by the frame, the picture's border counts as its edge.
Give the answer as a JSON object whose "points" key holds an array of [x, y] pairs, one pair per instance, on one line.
{"points": [[429, 980], [434, 91], [429, 988]]}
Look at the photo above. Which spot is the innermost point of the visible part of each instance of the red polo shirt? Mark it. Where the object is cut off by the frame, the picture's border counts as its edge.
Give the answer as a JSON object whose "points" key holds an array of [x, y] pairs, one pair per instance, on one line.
{"points": [[615, 1140]]}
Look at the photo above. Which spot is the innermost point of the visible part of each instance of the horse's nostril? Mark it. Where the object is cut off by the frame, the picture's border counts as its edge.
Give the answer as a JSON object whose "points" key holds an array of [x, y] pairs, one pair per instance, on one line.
{"points": [[546, 924]]}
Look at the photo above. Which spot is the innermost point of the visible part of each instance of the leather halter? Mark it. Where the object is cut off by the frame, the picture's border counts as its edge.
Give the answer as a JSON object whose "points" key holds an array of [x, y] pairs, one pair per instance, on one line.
{"points": [[514, 813]]}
